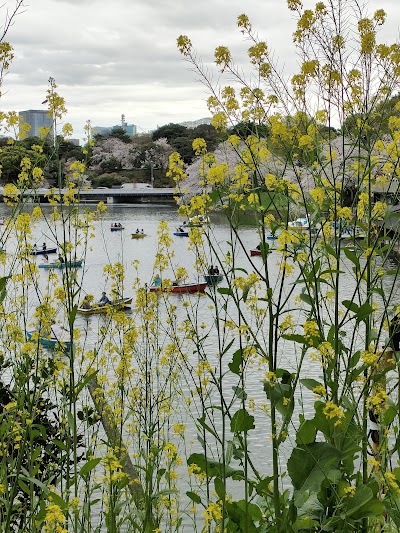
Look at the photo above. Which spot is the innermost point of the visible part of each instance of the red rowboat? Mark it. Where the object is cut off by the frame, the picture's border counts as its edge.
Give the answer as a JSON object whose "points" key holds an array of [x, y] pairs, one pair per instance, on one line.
{"points": [[181, 288]]}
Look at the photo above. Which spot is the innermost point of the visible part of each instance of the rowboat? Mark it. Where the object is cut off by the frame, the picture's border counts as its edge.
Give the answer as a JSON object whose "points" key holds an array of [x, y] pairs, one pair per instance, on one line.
{"points": [[69, 264], [197, 221], [352, 232], [255, 252], [122, 303], [181, 233], [40, 251], [181, 288], [213, 279], [300, 224], [138, 235], [50, 342], [117, 228]]}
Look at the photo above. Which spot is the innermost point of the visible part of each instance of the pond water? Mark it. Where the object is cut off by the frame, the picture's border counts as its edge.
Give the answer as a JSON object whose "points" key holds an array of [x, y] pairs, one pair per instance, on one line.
{"points": [[109, 247]]}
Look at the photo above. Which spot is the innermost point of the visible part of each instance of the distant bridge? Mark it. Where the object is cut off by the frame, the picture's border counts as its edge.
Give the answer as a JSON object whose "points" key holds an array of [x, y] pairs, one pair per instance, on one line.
{"points": [[109, 196]]}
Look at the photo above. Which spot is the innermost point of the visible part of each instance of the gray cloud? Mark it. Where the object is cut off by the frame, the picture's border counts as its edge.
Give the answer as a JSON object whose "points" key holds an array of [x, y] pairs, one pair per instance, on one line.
{"points": [[121, 56]]}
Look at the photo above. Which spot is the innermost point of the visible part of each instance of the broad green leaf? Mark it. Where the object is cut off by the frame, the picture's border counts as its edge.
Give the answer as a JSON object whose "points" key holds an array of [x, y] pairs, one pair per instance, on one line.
{"points": [[306, 433], [309, 465], [236, 364], [364, 504], [219, 488], [364, 311], [242, 421]]}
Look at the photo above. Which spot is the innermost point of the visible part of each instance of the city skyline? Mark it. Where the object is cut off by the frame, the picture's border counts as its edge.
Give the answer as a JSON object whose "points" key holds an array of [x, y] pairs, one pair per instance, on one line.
{"points": [[125, 61]]}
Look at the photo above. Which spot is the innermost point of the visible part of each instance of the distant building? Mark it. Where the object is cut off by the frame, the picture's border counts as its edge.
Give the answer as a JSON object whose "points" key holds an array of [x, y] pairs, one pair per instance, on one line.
{"points": [[129, 129], [36, 119], [74, 141]]}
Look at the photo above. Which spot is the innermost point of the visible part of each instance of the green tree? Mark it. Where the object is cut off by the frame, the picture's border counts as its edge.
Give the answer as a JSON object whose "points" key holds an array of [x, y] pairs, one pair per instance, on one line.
{"points": [[170, 132]]}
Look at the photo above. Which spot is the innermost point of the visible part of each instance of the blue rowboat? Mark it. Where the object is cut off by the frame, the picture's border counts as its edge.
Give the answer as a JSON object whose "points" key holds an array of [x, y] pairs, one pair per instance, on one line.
{"points": [[50, 342], [40, 251], [213, 279], [68, 264], [117, 228], [181, 233]]}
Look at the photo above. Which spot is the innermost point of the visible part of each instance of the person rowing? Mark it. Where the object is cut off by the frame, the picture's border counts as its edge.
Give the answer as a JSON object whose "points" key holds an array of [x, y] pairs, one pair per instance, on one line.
{"points": [[104, 300]]}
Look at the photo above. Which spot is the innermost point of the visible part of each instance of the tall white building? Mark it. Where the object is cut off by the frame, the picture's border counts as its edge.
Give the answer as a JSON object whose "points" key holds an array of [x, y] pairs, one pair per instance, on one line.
{"points": [[36, 119]]}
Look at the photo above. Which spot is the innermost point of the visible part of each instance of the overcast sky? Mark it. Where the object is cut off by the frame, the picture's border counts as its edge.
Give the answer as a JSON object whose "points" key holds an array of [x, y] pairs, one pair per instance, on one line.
{"points": [[120, 56]]}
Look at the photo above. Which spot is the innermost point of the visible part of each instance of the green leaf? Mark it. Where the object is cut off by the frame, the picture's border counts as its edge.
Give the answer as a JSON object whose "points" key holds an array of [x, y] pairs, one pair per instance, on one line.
{"points": [[219, 488], [36, 482], [72, 316], [295, 338], [225, 290], [239, 393], [193, 496], [364, 311], [89, 466], [306, 433], [305, 524], [351, 256], [305, 297], [214, 468], [350, 305], [309, 465], [362, 496], [202, 422], [388, 415], [236, 364], [3, 283], [242, 421], [84, 381], [309, 383], [56, 498], [229, 452], [363, 504]]}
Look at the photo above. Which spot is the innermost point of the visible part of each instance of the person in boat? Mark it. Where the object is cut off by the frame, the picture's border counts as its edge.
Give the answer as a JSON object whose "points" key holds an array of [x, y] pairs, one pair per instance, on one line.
{"points": [[216, 271], [104, 300], [44, 247], [157, 281], [211, 270], [85, 304], [394, 333], [112, 224], [181, 230], [142, 232], [34, 248], [137, 230]]}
